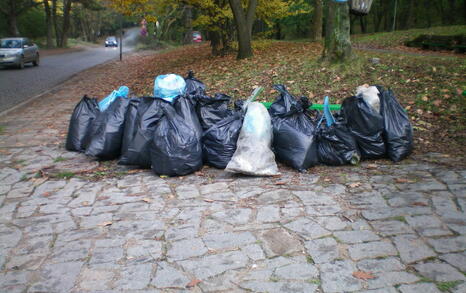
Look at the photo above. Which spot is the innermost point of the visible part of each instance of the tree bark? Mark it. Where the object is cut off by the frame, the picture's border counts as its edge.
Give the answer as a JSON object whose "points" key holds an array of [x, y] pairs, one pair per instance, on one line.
{"points": [[337, 33], [66, 23], [55, 23], [244, 21], [363, 24], [316, 33], [48, 23]]}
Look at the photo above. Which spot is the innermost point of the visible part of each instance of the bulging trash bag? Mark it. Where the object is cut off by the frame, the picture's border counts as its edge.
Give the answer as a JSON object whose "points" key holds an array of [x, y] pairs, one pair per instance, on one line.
{"points": [[398, 132], [366, 124], [169, 86], [148, 116], [194, 86], [81, 124], [219, 141], [175, 149], [212, 110], [107, 131], [185, 107], [336, 145], [253, 155], [294, 140], [122, 92], [370, 94], [130, 124]]}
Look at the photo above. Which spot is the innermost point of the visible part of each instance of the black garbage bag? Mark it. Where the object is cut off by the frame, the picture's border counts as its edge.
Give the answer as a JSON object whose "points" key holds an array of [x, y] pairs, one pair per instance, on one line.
{"points": [[194, 86], [81, 124], [148, 115], [130, 124], [336, 145], [398, 132], [212, 110], [366, 124], [185, 107], [294, 140], [107, 131], [175, 149], [219, 141]]}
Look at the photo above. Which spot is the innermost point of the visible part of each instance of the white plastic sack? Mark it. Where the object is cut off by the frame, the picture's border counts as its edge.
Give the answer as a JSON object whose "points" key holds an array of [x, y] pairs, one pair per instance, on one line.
{"points": [[169, 86], [253, 155], [370, 94]]}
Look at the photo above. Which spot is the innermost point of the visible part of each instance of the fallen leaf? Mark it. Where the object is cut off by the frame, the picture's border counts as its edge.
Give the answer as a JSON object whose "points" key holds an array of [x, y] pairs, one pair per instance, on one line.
{"points": [[193, 283], [420, 204], [403, 180], [372, 166], [363, 275], [355, 184], [46, 194], [280, 183], [208, 200], [108, 223], [85, 203], [146, 199], [437, 103]]}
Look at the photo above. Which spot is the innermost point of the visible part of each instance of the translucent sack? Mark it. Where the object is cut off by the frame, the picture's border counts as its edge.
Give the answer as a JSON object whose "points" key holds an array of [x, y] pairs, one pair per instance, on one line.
{"points": [[169, 86], [123, 92], [253, 155]]}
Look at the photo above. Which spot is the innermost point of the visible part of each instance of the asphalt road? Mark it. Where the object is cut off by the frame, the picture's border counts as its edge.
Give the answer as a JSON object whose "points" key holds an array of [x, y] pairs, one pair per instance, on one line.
{"points": [[17, 86]]}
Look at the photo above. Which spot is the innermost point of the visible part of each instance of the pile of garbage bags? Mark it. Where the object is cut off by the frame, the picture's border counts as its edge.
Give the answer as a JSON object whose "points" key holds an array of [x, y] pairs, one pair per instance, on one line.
{"points": [[181, 128]]}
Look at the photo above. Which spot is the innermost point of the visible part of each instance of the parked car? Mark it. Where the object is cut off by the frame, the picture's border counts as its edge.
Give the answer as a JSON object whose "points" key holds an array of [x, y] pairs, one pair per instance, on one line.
{"points": [[197, 37], [111, 42], [17, 52]]}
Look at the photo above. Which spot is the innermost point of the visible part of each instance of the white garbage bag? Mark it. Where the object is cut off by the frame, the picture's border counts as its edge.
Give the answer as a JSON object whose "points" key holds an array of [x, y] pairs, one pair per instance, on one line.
{"points": [[370, 94], [253, 155]]}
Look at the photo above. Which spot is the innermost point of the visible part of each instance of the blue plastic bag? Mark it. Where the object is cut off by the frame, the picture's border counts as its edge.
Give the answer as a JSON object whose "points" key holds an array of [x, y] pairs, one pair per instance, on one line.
{"points": [[123, 91], [169, 86]]}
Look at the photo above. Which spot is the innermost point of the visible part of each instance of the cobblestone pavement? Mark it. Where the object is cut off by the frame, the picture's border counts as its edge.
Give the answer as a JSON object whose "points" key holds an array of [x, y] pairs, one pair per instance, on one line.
{"points": [[377, 227]]}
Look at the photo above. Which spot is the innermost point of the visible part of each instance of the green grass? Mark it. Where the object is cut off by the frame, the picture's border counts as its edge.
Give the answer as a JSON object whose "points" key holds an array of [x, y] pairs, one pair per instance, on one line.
{"points": [[445, 286], [64, 175], [59, 159], [396, 38], [314, 281], [399, 218], [2, 129]]}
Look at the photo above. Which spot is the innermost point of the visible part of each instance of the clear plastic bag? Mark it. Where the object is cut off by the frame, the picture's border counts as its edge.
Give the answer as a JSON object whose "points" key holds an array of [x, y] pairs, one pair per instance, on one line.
{"points": [[169, 86], [123, 92], [253, 155]]}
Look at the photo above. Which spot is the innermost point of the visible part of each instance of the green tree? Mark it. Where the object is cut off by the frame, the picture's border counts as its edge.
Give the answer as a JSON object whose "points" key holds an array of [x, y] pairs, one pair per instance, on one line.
{"points": [[12, 9], [337, 32]]}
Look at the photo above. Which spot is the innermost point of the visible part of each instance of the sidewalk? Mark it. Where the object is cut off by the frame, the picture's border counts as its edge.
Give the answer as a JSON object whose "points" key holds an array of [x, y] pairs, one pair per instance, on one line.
{"points": [[377, 227]]}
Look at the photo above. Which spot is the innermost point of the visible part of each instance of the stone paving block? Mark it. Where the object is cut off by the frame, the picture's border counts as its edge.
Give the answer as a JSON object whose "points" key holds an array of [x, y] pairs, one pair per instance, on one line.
{"points": [[224, 282], [352, 237], [412, 248], [451, 244], [389, 228], [185, 249], [323, 250], [407, 199], [253, 251], [279, 242], [274, 196], [212, 265], [233, 216], [268, 214], [320, 211], [313, 198], [134, 277], [331, 223], [14, 278], [338, 277], [106, 255], [59, 277], [381, 290], [299, 271], [278, 287], [372, 250], [439, 272], [307, 228], [457, 260], [424, 222], [30, 261], [228, 240], [380, 265], [460, 288], [433, 232], [21, 189], [95, 221], [420, 287], [182, 232], [9, 236], [167, 276], [387, 279], [443, 203], [187, 191], [144, 250], [94, 280]]}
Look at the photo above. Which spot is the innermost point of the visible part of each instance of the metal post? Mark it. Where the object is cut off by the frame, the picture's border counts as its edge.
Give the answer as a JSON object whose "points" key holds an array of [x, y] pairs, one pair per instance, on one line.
{"points": [[394, 17], [121, 37]]}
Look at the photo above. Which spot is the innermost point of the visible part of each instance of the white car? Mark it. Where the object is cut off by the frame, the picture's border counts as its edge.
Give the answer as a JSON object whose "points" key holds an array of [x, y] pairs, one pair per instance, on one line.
{"points": [[18, 51]]}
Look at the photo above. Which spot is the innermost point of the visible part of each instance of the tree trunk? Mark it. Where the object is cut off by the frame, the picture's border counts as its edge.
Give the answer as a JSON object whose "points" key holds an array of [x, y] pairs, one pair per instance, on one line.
{"points": [[214, 37], [188, 23], [48, 23], [452, 4], [337, 33], [316, 33], [363, 24], [244, 21], [55, 23], [12, 25], [66, 23]]}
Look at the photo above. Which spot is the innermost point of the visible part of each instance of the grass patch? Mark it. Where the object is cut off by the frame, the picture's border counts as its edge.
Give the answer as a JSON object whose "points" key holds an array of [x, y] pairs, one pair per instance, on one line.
{"points": [[425, 280], [314, 281], [309, 259], [445, 286], [399, 218], [2, 129], [274, 279], [64, 175], [59, 159]]}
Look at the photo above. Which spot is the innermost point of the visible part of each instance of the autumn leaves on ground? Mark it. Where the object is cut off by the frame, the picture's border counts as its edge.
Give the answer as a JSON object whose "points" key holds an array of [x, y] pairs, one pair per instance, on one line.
{"points": [[429, 87]]}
